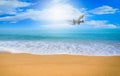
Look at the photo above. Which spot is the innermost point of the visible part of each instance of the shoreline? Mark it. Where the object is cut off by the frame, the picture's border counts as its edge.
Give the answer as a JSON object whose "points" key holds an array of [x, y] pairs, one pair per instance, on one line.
{"points": [[60, 54]]}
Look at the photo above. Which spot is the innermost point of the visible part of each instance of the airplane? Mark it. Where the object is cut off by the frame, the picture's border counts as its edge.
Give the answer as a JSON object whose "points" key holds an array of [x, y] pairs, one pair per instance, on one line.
{"points": [[78, 21]]}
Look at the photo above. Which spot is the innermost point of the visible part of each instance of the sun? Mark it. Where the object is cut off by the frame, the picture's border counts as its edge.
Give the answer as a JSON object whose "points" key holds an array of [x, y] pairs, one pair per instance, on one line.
{"points": [[58, 14]]}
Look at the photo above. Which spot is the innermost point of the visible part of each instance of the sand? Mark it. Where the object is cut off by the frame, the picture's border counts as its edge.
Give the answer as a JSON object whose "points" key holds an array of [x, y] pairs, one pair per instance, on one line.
{"points": [[58, 65]]}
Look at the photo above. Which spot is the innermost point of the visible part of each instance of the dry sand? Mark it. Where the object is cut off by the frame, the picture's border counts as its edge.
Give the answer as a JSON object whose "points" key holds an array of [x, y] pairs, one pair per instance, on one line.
{"points": [[58, 65]]}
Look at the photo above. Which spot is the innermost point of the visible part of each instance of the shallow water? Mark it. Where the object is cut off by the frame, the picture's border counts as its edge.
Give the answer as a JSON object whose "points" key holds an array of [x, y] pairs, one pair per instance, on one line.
{"points": [[95, 42]]}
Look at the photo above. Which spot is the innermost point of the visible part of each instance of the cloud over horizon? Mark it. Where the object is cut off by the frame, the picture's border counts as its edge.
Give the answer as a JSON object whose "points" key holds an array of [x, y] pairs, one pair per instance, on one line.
{"points": [[99, 24]]}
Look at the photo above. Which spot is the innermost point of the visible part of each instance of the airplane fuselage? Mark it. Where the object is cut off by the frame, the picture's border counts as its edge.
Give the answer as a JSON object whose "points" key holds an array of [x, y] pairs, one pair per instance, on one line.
{"points": [[77, 22]]}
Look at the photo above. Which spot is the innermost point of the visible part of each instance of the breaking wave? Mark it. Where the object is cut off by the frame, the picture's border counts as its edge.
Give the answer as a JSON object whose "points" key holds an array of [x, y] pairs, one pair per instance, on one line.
{"points": [[92, 48]]}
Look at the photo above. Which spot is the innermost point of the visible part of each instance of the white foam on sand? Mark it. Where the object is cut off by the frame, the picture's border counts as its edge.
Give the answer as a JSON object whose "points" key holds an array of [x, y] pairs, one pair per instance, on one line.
{"points": [[92, 48]]}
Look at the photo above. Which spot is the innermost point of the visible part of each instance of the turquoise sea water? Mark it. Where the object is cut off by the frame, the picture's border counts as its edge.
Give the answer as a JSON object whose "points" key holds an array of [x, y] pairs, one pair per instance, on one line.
{"points": [[63, 34], [61, 41]]}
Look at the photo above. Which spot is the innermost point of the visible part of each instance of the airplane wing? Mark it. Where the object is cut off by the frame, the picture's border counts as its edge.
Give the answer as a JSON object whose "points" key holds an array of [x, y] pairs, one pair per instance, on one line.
{"points": [[80, 17], [72, 21]]}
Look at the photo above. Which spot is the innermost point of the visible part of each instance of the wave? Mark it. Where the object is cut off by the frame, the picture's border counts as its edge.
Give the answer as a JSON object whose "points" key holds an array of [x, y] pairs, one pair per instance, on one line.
{"points": [[91, 48]]}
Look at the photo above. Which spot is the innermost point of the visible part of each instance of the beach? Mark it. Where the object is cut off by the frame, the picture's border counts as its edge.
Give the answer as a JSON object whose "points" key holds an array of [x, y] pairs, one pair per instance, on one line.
{"points": [[59, 38], [58, 65]]}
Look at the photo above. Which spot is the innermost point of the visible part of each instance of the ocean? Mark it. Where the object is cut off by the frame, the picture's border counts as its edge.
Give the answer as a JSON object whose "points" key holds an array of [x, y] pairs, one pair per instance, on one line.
{"points": [[92, 42]]}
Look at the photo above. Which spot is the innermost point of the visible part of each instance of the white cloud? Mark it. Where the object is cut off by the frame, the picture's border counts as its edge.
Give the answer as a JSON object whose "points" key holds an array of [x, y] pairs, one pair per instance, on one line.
{"points": [[104, 10], [99, 24], [56, 12], [60, 12], [9, 6], [58, 1]]}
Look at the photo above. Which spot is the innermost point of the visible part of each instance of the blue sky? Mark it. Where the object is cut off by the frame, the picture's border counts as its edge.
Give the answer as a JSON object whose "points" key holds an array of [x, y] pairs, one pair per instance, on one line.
{"points": [[55, 13]]}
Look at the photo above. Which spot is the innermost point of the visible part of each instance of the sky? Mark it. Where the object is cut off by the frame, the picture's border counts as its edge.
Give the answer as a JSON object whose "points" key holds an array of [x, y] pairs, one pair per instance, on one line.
{"points": [[56, 13]]}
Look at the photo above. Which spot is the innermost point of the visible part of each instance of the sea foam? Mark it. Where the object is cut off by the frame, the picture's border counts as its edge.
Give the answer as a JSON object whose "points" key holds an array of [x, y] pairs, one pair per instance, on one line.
{"points": [[43, 47]]}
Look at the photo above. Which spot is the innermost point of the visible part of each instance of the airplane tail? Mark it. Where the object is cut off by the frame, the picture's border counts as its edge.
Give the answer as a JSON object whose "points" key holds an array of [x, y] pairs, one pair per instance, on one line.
{"points": [[81, 16]]}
